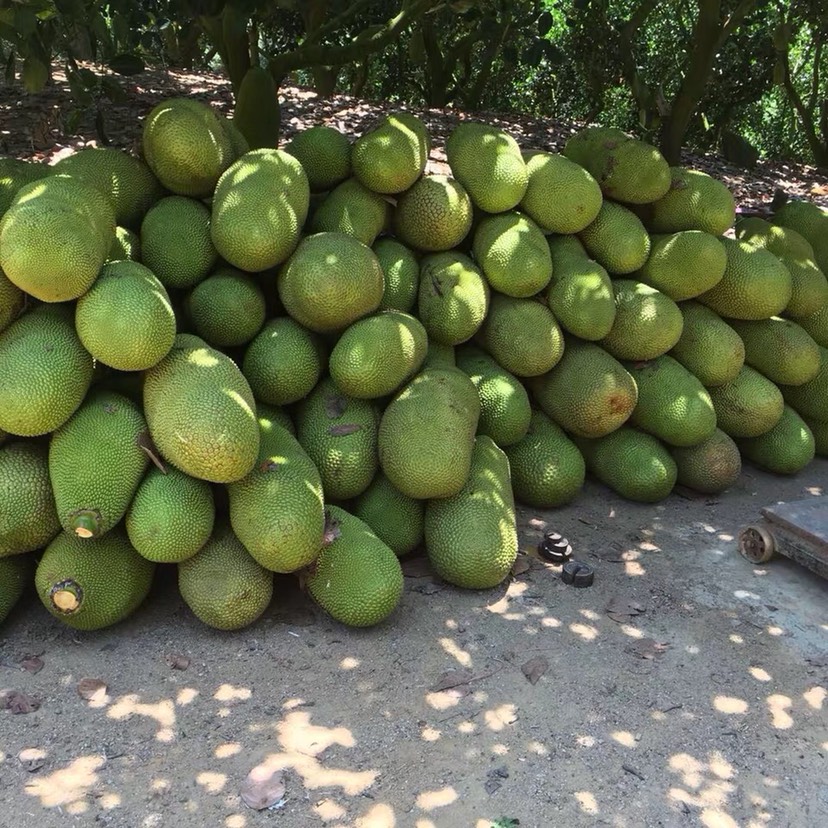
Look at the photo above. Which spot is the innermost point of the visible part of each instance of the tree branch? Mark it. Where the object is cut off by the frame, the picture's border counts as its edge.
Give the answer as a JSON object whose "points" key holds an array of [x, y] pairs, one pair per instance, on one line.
{"points": [[735, 19], [335, 22], [318, 54]]}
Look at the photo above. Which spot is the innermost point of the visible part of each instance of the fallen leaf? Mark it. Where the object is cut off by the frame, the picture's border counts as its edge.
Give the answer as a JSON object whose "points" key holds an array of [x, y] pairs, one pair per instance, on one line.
{"points": [[178, 662], [452, 678], [522, 564], [646, 648], [621, 610], [91, 689], [535, 668], [32, 664], [17, 702], [263, 787]]}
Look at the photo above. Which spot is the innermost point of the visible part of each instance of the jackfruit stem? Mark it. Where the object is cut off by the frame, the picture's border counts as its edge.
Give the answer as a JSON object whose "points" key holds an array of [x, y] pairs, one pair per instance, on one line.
{"points": [[66, 596], [86, 524]]}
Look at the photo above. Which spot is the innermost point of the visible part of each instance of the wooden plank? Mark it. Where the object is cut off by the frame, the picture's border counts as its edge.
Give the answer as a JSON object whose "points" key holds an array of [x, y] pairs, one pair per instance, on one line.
{"points": [[807, 519], [797, 549]]}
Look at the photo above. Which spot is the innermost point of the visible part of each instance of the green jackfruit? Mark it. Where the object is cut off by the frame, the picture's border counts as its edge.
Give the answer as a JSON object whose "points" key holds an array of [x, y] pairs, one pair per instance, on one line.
{"points": [[471, 537], [695, 201], [816, 325], [325, 155], [14, 174], [711, 466], [15, 576], [748, 406], [434, 215], [708, 347], [810, 399], [201, 412], [12, 302], [277, 511], [785, 449], [96, 462], [396, 519], [91, 584], [504, 404], [46, 372], [402, 274], [171, 516], [389, 158], [672, 404], [353, 209], [339, 433], [513, 254], [819, 428], [356, 579], [28, 518], [617, 239], [257, 114], [779, 349], [125, 245], [809, 220], [426, 434], [547, 469], [222, 584]]}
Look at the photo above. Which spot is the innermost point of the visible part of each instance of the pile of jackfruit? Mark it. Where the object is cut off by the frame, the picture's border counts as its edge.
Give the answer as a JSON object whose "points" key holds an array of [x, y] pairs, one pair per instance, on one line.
{"points": [[241, 360]]}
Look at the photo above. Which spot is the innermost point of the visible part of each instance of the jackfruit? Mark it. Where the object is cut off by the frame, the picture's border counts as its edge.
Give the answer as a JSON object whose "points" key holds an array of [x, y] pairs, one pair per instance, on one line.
{"points": [[257, 114], [434, 215], [356, 579], [330, 281], [12, 302], [810, 399], [28, 518], [779, 349], [339, 433], [96, 462], [513, 254], [15, 575], [125, 245], [589, 393], [819, 428], [389, 158], [785, 449], [616, 239], [14, 174], [816, 326], [547, 470], [683, 265], [325, 155], [201, 412], [711, 466], [695, 201], [748, 406], [522, 335], [171, 516], [809, 220], [126, 320], [92, 584], [396, 519], [223, 585], [426, 434], [46, 371], [471, 538], [277, 511], [375, 355], [402, 274], [352, 209]]}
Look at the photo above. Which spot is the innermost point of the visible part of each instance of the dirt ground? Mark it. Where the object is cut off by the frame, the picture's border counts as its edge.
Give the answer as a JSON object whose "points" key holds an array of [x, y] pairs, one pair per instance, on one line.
{"points": [[700, 700]]}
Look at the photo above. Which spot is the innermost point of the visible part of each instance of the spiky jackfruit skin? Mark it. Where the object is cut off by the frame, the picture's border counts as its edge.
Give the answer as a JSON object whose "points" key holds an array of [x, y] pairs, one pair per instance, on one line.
{"points": [[15, 575], [513, 253], [171, 516], [325, 155], [784, 449], [434, 215], [46, 372], [395, 518], [616, 239], [201, 412], [223, 585], [259, 207], [708, 347], [489, 165], [522, 335], [12, 302], [389, 158], [748, 406], [755, 285], [505, 410], [634, 464], [547, 470], [402, 274], [284, 362], [672, 404], [356, 579], [810, 399], [92, 584], [375, 355], [562, 197], [647, 323], [626, 169], [277, 511], [819, 428], [257, 114], [471, 537], [186, 147], [353, 209], [14, 174], [780, 349], [426, 434], [816, 325], [589, 393], [580, 294], [131, 341], [809, 220], [339, 434], [453, 297], [126, 244], [695, 201], [96, 462], [711, 466], [28, 517]]}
